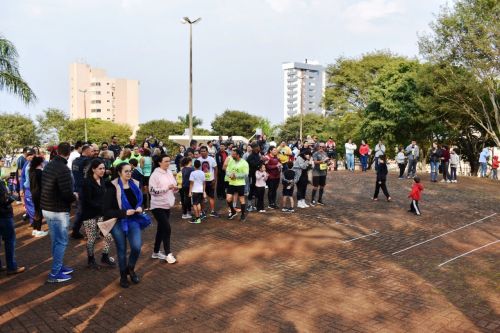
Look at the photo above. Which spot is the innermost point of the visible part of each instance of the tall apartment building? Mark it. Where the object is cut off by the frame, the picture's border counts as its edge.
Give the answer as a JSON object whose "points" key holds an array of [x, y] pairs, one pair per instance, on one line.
{"points": [[304, 87], [116, 100]]}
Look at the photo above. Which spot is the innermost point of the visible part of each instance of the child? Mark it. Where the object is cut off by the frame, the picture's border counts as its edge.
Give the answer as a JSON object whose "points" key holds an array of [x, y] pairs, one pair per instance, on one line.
{"points": [[381, 179], [494, 166], [454, 161], [288, 185], [136, 171], [260, 186], [415, 194], [400, 159], [197, 190], [186, 171]]}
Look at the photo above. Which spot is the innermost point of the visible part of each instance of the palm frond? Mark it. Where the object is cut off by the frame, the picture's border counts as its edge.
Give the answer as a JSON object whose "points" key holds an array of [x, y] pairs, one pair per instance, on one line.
{"points": [[16, 85]]}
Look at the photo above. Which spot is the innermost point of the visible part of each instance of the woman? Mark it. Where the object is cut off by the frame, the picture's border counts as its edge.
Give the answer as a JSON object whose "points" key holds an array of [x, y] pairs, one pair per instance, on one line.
{"points": [[179, 157], [136, 153], [147, 168], [94, 191], [162, 186], [364, 151], [124, 200], [125, 155], [35, 176], [145, 145], [273, 168], [106, 157], [435, 158], [301, 166]]}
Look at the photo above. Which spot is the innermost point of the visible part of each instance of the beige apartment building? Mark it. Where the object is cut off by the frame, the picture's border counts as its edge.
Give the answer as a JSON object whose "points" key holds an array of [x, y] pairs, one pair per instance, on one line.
{"points": [[106, 98]]}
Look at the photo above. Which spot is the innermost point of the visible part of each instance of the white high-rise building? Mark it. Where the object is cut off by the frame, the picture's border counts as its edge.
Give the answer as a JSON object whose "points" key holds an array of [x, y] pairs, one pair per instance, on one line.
{"points": [[107, 98], [304, 87]]}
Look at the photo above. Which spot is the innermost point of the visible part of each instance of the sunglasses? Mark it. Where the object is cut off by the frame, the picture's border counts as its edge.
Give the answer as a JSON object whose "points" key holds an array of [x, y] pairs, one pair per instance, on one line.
{"points": [[127, 171]]}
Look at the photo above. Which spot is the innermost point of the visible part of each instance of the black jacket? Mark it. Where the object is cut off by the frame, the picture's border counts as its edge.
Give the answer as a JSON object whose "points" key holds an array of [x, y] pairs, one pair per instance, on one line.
{"points": [[253, 161], [79, 168], [111, 207], [382, 172], [93, 196], [57, 186], [5, 201]]}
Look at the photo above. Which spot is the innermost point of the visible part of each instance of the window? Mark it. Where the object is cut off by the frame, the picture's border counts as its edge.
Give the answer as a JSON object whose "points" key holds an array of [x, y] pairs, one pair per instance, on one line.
{"points": [[108, 100], [95, 110], [97, 92], [97, 101], [107, 83], [109, 110], [95, 84]]}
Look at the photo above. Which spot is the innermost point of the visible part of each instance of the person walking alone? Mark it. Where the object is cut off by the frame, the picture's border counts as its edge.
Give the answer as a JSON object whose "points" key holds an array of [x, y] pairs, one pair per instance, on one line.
{"points": [[364, 151], [435, 155], [301, 167], [349, 154], [381, 179], [413, 153], [379, 151]]}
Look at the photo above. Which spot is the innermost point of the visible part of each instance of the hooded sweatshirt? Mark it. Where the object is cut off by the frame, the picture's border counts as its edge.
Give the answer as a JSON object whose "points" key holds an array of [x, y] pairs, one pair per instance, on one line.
{"points": [[495, 164], [161, 195], [416, 191]]}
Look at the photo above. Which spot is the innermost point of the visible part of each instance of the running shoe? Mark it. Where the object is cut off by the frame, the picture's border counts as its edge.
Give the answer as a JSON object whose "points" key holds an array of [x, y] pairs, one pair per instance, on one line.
{"points": [[214, 214], [170, 258], [60, 277], [232, 215], [160, 255]]}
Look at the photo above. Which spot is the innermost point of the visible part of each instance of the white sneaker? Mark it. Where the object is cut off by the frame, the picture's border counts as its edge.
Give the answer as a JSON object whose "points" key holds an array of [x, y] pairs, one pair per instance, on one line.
{"points": [[40, 233], [186, 216], [33, 233], [170, 258], [305, 204], [160, 255]]}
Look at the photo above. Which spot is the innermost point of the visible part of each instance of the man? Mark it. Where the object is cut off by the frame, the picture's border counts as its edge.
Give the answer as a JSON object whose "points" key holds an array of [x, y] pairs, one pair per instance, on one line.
{"points": [[75, 153], [253, 160], [211, 149], [132, 143], [7, 231], [284, 154], [19, 169], [349, 153], [24, 185], [79, 168], [319, 172], [209, 168], [95, 150], [379, 151], [331, 151], [220, 158], [56, 198], [193, 146], [237, 171], [272, 143], [413, 153], [104, 146], [114, 147]]}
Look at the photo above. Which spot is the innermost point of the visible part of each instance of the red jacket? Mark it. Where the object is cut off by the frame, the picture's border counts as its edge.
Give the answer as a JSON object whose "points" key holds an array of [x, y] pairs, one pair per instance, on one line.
{"points": [[364, 149], [273, 167], [416, 191], [495, 164]]}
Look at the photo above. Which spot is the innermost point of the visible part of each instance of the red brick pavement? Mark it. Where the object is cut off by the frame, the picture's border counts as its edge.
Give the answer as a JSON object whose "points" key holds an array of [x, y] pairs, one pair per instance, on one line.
{"points": [[287, 273]]}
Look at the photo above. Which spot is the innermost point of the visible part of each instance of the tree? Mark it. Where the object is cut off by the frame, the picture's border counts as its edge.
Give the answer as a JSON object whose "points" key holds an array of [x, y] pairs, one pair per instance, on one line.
{"points": [[467, 36], [312, 124], [10, 78], [185, 121], [161, 130], [98, 131], [16, 131], [232, 122], [50, 123]]}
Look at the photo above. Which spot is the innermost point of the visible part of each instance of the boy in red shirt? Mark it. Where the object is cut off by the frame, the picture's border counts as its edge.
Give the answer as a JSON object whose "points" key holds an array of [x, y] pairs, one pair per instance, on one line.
{"points": [[415, 194]]}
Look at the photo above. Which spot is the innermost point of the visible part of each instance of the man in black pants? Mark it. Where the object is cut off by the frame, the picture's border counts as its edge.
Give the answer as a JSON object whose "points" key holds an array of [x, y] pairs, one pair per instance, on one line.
{"points": [[320, 168], [79, 167], [253, 160]]}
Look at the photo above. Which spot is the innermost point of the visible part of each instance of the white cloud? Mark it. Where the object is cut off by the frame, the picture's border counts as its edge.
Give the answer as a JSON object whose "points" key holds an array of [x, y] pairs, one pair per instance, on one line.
{"points": [[367, 15]]}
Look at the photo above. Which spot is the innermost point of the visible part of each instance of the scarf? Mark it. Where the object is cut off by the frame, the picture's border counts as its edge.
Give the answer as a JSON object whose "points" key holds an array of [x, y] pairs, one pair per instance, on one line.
{"points": [[142, 219]]}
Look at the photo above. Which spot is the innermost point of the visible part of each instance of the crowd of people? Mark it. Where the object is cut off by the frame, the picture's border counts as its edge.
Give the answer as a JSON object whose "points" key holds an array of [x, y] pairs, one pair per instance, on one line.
{"points": [[112, 189]]}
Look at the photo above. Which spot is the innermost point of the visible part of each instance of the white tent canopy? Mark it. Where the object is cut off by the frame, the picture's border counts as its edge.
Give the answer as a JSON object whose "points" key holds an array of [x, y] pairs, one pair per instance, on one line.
{"points": [[184, 139]]}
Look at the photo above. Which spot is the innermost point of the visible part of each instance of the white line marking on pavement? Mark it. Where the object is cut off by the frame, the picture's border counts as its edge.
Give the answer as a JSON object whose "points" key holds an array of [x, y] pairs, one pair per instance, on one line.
{"points": [[350, 240], [466, 253], [446, 233], [326, 218]]}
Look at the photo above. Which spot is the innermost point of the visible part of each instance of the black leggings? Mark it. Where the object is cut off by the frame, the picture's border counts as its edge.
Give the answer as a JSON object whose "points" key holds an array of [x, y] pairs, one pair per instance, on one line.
{"points": [[185, 200], [402, 168], [259, 194], [378, 187], [302, 186], [272, 190], [163, 231]]}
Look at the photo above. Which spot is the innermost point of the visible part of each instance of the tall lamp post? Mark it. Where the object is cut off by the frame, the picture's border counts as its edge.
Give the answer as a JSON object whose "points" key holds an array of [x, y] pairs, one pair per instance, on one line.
{"points": [[85, 112], [187, 20], [302, 96]]}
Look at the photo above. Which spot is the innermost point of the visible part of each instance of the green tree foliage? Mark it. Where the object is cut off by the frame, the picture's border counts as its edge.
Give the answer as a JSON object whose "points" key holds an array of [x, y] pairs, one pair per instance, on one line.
{"points": [[232, 122], [10, 78], [185, 121], [98, 131], [161, 129], [50, 123], [466, 37], [16, 131]]}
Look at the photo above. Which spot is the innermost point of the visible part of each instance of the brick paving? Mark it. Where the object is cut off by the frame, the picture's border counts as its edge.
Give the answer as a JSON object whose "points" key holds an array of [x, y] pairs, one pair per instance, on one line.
{"points": [[287, 273]]}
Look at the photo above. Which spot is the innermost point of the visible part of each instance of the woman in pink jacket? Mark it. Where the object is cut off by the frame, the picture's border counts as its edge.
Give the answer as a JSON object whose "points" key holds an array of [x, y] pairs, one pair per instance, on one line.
{"points": [[162, 186]]}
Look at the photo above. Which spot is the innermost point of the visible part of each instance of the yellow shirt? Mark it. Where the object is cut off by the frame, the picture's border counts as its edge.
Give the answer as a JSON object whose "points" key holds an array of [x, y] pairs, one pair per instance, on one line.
{"points": [[284, 154]]}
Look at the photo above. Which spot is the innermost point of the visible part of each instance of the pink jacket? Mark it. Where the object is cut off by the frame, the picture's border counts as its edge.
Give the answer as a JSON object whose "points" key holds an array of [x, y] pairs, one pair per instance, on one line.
{"points": [[159, 183]]}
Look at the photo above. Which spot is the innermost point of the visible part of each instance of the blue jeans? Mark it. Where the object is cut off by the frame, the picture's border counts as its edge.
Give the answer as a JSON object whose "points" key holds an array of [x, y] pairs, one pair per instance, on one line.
{"points": [[135, 240], [8, 235], [58, 223], [350, 161], [364, 162], [434, 170], [484, 168]]}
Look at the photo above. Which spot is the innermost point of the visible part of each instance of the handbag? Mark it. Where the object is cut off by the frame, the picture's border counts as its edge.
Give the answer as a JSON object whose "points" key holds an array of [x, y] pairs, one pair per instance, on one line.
{"points": [[106, 226]]}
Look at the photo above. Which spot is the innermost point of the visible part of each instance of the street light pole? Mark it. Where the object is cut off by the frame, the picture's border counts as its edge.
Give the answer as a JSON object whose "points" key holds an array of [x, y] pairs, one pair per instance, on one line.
{"points": [[301, 104], [85, 112], [190, 22]]}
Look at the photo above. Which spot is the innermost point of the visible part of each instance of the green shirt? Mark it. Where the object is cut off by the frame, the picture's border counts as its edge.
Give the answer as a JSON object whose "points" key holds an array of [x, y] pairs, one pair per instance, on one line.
{"points": [[118, 161], [240, 169]]}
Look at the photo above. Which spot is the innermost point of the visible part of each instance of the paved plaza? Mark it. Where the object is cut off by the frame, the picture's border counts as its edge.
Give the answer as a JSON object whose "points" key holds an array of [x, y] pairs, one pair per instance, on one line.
{"points": [[350, 266]]}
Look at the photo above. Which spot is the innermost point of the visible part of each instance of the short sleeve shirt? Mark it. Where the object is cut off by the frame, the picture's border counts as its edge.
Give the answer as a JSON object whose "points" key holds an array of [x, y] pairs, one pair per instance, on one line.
{"points": [[208, 166], [319, 169], [198, 178]]}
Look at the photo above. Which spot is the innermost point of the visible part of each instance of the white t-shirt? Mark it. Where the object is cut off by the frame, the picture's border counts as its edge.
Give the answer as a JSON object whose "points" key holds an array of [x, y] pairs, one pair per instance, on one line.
{"points": [[198, 179], [208, 166], [73, 156], [350, 148]]}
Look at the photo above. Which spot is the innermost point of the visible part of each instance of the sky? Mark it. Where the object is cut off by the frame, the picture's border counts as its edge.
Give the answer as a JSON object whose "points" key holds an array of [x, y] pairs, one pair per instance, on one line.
{"points": [[238, 47]]}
